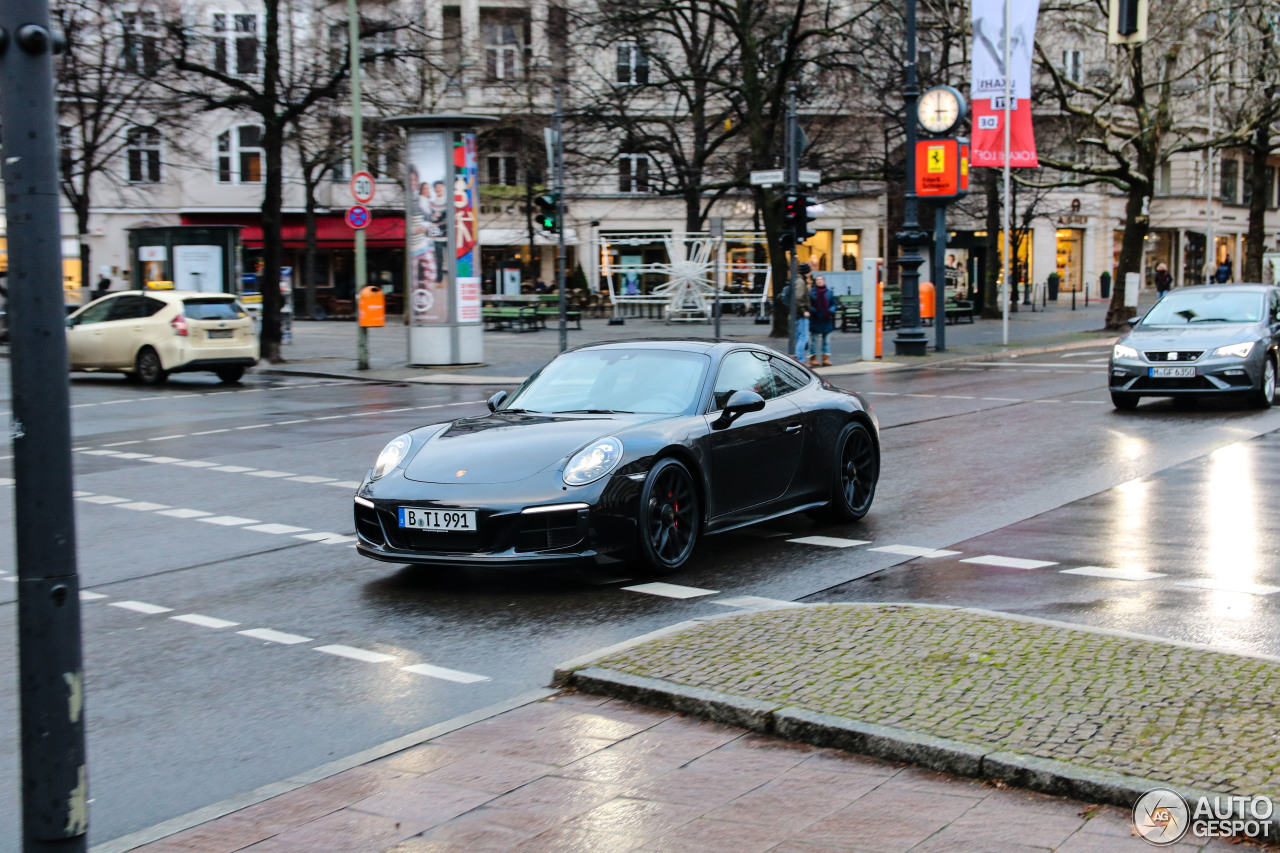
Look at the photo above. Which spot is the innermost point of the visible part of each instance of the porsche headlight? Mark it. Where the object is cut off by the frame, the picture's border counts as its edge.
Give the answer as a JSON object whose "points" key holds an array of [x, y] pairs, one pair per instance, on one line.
{"points": [[1122, 351], [593, 462], [1237, 350], [391, 456]]}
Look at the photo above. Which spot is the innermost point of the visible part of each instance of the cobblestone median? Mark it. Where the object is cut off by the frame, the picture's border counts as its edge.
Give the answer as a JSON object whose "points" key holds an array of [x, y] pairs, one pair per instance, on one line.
{"points": [[1194, 718]]}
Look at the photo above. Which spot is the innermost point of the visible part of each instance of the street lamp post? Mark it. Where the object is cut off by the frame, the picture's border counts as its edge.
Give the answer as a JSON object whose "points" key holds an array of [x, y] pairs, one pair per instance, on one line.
{"points": [[911, 339]]}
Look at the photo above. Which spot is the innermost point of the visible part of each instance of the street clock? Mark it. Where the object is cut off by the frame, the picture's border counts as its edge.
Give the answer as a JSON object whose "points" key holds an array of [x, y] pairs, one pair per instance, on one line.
{"points": [[940, 109]]}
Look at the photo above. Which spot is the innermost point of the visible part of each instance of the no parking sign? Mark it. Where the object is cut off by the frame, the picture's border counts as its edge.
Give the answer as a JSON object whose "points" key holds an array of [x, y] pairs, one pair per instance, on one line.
{"points": [[359, 216]]}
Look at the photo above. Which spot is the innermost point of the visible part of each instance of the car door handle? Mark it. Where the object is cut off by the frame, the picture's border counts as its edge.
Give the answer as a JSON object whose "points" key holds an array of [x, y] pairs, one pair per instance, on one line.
{"points": [[793, 428]]}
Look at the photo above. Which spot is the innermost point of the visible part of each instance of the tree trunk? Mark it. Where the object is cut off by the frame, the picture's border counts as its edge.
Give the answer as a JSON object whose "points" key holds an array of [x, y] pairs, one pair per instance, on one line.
{"points": [[1136, 225], [991, 309], [1256, 238], [273, 195], [309, 259], [87, 279]]}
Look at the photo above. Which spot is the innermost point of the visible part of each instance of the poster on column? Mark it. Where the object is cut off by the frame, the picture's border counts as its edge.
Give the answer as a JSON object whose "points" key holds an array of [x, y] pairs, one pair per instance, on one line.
{"points": [[427, 224], [988, 82], [464, 225]]}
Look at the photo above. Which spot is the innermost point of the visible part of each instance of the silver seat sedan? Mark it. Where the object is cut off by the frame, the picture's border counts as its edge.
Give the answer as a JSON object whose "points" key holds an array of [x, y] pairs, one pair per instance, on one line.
{"points": [[1200, 342]]}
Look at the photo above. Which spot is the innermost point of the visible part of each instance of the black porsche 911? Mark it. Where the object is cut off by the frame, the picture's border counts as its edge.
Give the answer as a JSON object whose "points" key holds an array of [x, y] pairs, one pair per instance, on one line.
{"points": [[622, 451]]}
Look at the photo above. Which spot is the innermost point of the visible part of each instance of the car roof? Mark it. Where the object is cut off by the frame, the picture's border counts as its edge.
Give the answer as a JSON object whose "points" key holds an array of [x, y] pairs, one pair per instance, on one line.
{"points": [[172, 295], [1245, 287], [701, 345]]}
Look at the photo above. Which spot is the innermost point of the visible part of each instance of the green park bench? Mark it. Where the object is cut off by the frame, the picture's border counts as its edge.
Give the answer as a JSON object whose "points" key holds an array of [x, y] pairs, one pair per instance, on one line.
{"points": [[515, 318]]}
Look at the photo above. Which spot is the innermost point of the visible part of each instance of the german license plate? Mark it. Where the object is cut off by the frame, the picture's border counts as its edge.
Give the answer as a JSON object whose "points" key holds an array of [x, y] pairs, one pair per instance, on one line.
{"points": [[420, 518], [221, 333], [1172, 372]]}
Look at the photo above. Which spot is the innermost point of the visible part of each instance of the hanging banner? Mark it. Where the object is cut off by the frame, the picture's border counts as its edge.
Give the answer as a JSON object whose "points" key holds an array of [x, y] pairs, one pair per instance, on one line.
{"points": [[987, 91], [428, 228]]}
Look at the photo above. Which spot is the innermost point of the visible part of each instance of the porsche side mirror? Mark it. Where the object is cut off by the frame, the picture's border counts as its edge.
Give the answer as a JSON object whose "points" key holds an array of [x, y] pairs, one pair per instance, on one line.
{"points": [[740, 402], [1133, 321], [497, 400]]}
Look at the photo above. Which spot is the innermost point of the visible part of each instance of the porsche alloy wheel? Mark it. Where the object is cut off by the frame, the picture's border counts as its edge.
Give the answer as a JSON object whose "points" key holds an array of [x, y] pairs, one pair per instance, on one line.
{"points": [[857, 471], [669, 516]]}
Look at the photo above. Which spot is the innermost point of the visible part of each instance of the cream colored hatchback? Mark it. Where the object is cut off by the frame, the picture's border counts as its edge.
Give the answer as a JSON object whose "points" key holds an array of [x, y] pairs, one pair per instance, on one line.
{"points": [[149, 334]]}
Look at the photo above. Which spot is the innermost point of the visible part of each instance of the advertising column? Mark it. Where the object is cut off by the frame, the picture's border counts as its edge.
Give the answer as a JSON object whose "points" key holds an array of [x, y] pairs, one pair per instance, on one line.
{"points": [[442, 252]]}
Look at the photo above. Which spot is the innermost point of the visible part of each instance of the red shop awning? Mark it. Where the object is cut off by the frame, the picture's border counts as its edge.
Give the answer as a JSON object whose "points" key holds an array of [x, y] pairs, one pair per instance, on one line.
{"points": [[332, 231]]}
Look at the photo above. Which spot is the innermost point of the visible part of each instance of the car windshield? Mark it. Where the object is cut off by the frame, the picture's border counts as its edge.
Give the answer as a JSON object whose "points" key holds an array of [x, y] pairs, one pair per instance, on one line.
{"points": [[212, 309], [614, 380], [1206, 306]]}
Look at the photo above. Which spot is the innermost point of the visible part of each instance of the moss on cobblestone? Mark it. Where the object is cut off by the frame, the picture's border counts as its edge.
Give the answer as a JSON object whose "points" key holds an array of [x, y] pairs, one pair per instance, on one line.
{"points": [[1190, 717]]}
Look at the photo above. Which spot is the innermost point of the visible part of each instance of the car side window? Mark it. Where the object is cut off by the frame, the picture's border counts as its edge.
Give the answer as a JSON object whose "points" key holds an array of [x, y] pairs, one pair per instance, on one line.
{"points": [[787, 377], [743, 371], [149, 307], [128, 308], [1275, 305], [96, 313]]}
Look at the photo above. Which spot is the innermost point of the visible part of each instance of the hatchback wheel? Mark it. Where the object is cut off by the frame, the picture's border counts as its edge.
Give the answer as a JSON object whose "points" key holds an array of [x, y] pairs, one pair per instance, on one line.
{"points": [[149, 370], [857, 472], [230, 375], [1264, 395], [669, 517], [1124, 402]]}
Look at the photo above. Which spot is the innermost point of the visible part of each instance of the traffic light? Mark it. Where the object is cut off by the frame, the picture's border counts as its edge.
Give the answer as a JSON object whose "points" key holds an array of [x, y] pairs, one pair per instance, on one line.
{"points": [[804, 217], [548, 212], [792, 211]]}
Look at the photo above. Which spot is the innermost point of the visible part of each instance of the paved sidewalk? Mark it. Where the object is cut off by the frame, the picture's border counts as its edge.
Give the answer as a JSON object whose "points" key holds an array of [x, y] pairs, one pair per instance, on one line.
{"points": [[329, 348], [581, 773]]}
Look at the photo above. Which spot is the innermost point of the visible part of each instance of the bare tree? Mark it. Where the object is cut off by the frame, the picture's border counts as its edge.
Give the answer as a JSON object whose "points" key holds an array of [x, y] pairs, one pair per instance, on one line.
{"points": [[276, 94], [112, 109]]}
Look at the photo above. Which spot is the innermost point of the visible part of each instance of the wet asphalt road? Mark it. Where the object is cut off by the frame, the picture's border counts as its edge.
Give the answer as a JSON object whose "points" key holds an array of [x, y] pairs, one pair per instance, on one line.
{"points": [[1021, 459]]}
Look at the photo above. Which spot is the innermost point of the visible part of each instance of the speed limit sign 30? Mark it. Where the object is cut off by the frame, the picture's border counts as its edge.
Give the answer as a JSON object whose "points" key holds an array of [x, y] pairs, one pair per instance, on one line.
{"points": [[363, 187]]}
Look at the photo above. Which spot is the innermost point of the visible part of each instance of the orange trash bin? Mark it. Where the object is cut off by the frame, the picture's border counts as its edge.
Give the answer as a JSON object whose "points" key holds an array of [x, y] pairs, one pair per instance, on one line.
{"points": [[372, 310], [927, 306]]}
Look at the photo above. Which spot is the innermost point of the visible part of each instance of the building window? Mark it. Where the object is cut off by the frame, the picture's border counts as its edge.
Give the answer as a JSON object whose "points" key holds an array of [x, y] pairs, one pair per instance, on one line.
{"points": [[143, 151], [1271, 187], [633, 65], [235, 43], [141, 42], [240, 155], [1164, 183], [377, 49], [505, 36], [1073, 65], [502, 170], [1230, 180], [633, 173]]}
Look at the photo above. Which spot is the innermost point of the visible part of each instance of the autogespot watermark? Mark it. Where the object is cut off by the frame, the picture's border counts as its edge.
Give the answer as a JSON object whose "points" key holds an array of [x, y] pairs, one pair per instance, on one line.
{"points": [[1162, 817]]}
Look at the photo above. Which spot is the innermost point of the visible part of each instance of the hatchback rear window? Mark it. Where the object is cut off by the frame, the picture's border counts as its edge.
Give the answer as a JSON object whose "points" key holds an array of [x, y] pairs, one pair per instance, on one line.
{"points": [[212, 309]]}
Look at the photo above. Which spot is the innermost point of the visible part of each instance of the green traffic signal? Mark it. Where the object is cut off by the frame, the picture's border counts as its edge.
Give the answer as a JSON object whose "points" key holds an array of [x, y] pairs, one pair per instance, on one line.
{"points": [[547, 206]]}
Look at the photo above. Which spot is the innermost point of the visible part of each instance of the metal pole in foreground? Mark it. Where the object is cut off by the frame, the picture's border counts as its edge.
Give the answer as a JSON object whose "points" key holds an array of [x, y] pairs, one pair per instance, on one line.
{"points": [[911, 339], [559, 173], [717, 246], [357, 165], [940, 276], [793, 187], [1008, 177], [55, 814]]}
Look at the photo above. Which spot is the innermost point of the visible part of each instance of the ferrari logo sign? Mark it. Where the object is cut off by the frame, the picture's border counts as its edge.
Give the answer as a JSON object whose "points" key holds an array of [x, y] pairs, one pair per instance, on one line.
{"points": [[942, 168]]}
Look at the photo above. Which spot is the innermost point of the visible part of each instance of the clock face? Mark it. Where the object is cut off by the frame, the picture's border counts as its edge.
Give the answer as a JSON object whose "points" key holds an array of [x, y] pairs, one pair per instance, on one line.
{"points": [[939, 109]]}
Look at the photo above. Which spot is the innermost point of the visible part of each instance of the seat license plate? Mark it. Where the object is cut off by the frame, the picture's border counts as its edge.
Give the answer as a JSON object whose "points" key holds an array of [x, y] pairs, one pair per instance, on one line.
{"points": [[1172, 372], [419, 518], [221, 333]]}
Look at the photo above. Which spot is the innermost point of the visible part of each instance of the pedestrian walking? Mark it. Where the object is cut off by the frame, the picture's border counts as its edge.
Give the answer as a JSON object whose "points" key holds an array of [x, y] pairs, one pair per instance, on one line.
{"points": [[802, 316], [822, 322], [1164, 281], [1223, 275]]}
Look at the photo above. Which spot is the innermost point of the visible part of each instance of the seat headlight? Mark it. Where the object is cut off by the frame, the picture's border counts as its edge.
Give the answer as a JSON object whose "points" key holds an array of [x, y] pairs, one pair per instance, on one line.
{"points": [[1236, 350], [391, 456], [1122, 351], [593, 462]]}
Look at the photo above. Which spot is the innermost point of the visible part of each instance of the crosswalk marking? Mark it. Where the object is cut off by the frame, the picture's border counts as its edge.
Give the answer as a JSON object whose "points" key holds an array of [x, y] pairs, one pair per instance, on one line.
{"points": [[446, 674], [1229, 586], [1008, 562], [829, 541], [670, 590], [1113, 574]]}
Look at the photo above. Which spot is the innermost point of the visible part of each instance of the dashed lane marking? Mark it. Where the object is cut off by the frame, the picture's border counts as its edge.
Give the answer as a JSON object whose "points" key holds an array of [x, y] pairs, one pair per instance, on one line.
{"points": [[229, 520], [914, 551], [272, 636], [132, 455], [356, 654], [1229, 586], [445, 674], [756, 602], [122, 443], [278, 529], [670, 590], [234, 469], [86, 595], [1008, 562], [141, 607], [142, 506], [204, 621], [344, 484], [326, 538], [311, 478], [270, 474], [197, 463], [162, 460], [185, 513], [1113, 574], [103, 499], [829, 541]]}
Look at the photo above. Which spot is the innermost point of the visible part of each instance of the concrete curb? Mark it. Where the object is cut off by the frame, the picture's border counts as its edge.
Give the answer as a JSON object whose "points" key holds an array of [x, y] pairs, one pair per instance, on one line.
{"points": [[241, 801], [891, 744]]}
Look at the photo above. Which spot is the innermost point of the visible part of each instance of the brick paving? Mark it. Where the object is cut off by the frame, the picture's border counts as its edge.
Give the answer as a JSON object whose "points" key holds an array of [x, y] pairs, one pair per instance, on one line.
{"points": [[1193, 718], [581, 773]]}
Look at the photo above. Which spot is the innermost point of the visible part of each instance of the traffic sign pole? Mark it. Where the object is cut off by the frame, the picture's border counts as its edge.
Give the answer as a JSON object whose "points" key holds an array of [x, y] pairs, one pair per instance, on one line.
{"points": [[357, 166]]}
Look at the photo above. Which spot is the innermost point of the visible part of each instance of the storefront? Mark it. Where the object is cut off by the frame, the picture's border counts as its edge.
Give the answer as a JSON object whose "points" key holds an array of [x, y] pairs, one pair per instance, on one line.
{"points": [[1070, 260]]}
